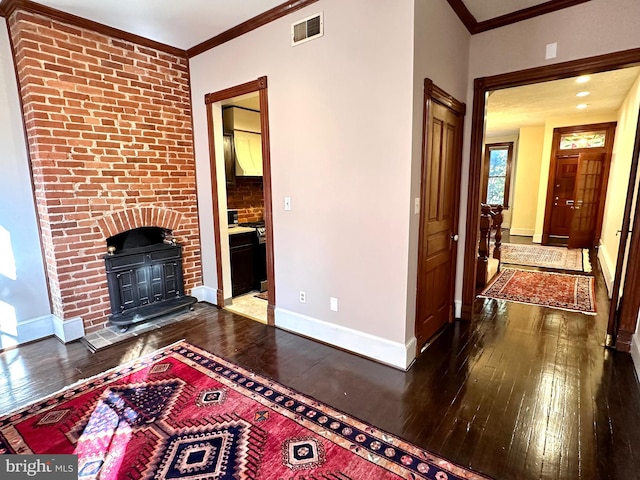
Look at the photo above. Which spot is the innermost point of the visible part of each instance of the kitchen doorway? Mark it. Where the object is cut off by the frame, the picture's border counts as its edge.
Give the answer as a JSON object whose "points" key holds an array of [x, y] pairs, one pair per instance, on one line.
{"points": [[239, 150]]}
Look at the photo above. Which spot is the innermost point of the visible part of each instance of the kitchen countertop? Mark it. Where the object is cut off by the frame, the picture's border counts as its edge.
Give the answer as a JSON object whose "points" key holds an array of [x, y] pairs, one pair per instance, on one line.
{"points": [[236, 230]]}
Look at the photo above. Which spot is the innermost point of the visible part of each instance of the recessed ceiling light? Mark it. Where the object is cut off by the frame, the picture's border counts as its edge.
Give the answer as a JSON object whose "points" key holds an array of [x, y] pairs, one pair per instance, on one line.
{"points": [[581, 106], [582, 94], [583, 79]]}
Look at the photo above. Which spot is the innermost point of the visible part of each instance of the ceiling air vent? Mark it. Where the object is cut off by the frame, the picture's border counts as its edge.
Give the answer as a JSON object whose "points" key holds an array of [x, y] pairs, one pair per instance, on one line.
{"points": [[307, 29]]}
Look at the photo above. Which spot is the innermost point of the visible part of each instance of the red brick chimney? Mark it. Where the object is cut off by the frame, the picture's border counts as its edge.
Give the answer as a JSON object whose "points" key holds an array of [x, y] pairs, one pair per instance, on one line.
{"points": [[110, 141]]}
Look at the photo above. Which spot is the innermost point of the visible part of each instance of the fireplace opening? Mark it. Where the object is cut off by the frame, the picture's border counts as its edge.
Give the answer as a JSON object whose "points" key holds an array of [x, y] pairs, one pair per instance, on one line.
{"points": [[144, 276], [138, 237]]}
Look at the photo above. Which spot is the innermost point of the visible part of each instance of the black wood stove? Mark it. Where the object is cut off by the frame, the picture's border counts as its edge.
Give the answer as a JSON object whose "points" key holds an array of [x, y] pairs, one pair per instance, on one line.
{"points": [[144, 274]]}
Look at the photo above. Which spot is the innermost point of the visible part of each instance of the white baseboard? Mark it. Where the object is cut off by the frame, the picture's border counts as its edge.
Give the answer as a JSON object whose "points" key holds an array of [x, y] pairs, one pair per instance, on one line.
{"points": [[457, 308], [608, 269], [635, 353], [522, 232], [394, 354], [40, 327], [67, 330], [537, 238], [25, 331], [205, 294]]}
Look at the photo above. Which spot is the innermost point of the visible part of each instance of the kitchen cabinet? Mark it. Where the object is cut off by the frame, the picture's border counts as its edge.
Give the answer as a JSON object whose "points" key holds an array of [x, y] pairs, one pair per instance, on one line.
{"points": [[229, 159], [243, 249], [243, 142]]}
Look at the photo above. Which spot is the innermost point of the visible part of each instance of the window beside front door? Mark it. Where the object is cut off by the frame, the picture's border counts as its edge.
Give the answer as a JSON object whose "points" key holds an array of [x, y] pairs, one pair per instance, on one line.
{"points": [[497, 173]]}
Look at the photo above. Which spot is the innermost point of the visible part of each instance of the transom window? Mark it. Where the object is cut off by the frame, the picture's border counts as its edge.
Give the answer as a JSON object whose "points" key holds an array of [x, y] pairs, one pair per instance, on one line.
{"points": [[570, 141], [497, 173]]}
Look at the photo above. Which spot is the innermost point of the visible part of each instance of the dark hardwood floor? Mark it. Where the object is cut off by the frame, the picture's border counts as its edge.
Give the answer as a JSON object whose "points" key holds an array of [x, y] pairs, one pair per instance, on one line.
{"points": [[519, 393]]}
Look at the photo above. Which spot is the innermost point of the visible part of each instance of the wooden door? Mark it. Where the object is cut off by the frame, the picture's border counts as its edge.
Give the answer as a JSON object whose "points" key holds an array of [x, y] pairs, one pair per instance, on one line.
{"points": [[587, 200], [440, 191], [564, 186]]}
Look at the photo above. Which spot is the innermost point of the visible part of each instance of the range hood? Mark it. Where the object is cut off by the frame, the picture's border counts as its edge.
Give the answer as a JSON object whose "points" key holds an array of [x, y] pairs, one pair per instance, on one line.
{"points": [[244, 126]]}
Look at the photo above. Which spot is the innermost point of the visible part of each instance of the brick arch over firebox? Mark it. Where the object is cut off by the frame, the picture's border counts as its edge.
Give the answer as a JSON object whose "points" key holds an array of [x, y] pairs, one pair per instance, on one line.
{"points": [[123, 220]]}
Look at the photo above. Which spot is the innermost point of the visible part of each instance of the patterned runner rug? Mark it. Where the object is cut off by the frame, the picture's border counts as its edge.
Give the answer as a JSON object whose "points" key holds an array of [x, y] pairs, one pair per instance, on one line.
{"points": [[185, 413], [555, 290], [560, 258]]}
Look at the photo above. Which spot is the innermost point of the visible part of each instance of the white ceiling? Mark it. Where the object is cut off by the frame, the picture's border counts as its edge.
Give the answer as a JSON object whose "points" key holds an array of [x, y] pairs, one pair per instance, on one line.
{"points": [[511, 108], [485, 9], [181, 24], [186, 23]]}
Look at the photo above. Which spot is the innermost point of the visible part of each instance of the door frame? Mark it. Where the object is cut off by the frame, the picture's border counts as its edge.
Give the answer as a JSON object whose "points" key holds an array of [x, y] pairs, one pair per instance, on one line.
{"points": [[260, 86], [481, 88], [610, 127], [433, 93]]}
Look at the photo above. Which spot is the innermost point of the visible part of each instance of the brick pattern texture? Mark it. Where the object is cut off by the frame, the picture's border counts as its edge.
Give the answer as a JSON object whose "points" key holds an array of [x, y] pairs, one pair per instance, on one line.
{"points": [[247, 197], [110, 138]]}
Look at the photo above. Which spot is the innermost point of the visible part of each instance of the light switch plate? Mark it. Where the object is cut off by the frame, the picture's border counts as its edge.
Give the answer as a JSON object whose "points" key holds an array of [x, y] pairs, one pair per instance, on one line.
{"points": [[287, 203], [552, 51]]}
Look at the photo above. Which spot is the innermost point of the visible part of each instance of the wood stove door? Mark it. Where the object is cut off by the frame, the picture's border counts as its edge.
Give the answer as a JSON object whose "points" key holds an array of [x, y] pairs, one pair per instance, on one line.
{"points": [[126, 288]]}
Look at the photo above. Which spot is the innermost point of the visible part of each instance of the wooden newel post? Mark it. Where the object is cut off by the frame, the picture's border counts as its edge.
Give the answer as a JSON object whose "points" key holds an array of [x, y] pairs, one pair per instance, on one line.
{"points": [[497, 224], [483, 246]]}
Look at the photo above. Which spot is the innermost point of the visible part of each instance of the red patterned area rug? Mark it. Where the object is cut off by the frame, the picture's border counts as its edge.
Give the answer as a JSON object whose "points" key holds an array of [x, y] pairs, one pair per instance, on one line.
{"points": [[184, 413], [574, 293]]}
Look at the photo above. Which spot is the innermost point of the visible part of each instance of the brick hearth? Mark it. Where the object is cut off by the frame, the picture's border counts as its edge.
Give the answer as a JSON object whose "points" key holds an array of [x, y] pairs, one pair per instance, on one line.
{"points": [[110, 140]]}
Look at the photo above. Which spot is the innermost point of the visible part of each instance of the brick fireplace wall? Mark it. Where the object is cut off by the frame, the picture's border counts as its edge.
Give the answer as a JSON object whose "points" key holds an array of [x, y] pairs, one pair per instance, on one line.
{"points": [[247, 197], [110, 141]]}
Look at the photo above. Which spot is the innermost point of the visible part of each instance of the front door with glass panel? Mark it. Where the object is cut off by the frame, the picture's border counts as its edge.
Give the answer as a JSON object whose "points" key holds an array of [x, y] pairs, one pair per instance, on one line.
{"points": [[578, 174]]}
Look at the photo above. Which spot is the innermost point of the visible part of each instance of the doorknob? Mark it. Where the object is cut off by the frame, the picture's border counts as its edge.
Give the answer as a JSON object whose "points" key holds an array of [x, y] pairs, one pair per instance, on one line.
{"points": [[454, 237]]}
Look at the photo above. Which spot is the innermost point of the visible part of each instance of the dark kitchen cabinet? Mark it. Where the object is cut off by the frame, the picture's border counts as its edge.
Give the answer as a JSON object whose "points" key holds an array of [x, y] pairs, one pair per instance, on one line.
{"points": [[243, 259], [229, 159]]}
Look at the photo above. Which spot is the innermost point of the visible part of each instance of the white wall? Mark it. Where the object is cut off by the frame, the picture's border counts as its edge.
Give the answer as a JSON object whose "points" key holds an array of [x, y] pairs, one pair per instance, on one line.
{"points": [[527, 178], [618, 183], [345, 114], [341, 128], [24, 301], [591, 28]]}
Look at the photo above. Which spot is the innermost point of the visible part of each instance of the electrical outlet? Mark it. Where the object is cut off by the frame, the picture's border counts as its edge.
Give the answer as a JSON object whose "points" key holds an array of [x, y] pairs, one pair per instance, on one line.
{"points": [[303, 297], [333, 304]]}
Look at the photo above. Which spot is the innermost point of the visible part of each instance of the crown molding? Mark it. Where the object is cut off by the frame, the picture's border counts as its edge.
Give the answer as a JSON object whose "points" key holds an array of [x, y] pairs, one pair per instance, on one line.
{"points": [[7, 7], [464, 15], [474, 27], [249, 25]]}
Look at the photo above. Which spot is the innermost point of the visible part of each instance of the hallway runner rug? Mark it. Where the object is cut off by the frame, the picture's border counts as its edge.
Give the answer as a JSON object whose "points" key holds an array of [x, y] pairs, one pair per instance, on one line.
{"points": [[574, 293], [560, 258], [184, 413]]}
